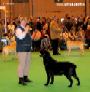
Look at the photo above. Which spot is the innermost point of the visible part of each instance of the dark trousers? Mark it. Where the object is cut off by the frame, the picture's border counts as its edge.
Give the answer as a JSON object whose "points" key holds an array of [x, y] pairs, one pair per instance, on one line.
{"points": [[88, 43], [36, 45], [55, 46]]}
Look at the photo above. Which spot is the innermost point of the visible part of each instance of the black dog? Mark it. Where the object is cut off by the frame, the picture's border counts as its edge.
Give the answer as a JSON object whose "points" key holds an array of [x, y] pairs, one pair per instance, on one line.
{"points": [[53, 67]]}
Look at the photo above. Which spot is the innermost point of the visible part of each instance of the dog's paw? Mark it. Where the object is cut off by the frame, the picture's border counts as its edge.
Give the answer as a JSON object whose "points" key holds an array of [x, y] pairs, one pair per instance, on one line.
{"points": [[78, 84], [70, 86], [45, 84]]}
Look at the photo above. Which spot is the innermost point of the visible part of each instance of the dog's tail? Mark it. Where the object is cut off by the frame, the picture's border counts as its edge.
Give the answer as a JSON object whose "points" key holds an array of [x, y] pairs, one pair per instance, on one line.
{"points": [[75, 66]]}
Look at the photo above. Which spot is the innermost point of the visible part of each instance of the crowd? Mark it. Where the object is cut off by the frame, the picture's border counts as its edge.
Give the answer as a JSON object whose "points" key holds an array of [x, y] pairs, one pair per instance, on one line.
{"points": [[51, 28]]}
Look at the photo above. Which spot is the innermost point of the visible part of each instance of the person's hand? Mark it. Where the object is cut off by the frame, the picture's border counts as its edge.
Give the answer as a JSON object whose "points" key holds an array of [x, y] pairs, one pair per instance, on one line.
{"points": [[27, 29]]}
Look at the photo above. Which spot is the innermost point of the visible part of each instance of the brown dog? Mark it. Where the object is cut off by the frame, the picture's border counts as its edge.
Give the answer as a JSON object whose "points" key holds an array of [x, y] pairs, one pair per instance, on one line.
{"points": [[71, 44], [9, 48], [74, 41]]}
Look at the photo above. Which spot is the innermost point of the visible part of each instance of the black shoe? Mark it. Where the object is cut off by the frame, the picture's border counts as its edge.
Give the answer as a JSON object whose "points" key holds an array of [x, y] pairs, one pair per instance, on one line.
{"points": [[26, 79], [56, 54], [21, 81]]}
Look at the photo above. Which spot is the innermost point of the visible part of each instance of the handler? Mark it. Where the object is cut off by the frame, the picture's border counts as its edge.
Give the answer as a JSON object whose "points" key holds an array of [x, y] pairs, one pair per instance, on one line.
{"points": [[23, 49]]}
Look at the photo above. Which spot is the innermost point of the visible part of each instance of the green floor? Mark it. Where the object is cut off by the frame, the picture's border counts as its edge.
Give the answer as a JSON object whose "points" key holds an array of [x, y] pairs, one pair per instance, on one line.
{"points": [[9, 79]]}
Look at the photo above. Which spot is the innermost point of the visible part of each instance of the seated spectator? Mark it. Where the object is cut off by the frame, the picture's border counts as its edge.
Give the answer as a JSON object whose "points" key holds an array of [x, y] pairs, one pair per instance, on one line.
{"points": [[80, 34]]}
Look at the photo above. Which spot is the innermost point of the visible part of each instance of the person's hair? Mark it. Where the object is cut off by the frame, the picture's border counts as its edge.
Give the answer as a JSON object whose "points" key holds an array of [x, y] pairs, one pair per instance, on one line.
{"points": [[22, 19], [27, 24]]}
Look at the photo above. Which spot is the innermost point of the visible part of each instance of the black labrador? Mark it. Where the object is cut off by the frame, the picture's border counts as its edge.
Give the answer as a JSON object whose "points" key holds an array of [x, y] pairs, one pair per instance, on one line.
{"points": [[53, 68]]}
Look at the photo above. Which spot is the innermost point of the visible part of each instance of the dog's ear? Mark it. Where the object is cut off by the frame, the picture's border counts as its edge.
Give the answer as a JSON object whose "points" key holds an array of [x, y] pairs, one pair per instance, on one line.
{"points": [[47, 53], [41, 52]]}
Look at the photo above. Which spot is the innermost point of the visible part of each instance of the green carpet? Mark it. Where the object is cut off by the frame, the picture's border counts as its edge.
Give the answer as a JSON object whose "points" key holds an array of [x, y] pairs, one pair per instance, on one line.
{"points": [[9, 78]]}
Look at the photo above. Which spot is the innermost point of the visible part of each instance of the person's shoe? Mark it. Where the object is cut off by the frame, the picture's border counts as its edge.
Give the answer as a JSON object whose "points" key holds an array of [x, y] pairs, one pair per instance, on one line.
{"points": [[58, 54], [26, 79], [21, 81]]}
